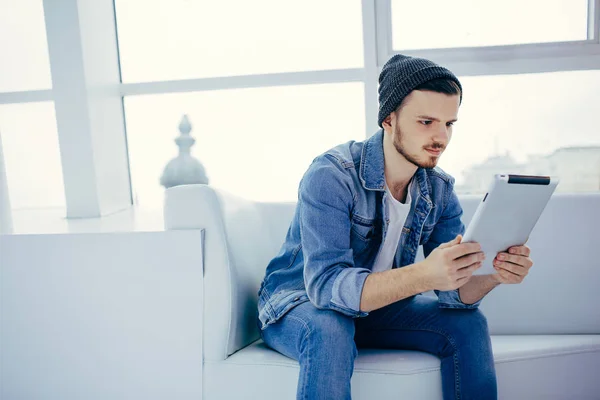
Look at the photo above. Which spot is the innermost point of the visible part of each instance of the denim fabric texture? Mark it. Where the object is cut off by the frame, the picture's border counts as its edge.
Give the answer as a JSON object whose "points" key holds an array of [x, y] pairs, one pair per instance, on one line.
{"points": [[339, 224], [326, 344]]}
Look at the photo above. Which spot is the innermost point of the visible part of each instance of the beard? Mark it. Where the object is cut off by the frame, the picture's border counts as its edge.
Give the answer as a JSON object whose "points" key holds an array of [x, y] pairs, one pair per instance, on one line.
{"points": [[422, 161]]}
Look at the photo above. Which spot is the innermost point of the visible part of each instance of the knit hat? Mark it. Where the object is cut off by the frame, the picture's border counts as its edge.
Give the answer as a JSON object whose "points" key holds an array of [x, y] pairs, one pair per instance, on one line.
{"points": [[401, 75]]}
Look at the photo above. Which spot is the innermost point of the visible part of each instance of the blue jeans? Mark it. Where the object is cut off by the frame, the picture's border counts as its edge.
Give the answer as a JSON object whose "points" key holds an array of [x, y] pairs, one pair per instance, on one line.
{"points": [[325, 340]]}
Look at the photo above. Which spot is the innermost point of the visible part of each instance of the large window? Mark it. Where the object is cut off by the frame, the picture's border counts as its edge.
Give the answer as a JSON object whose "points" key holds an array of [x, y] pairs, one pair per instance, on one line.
{"points": [[532, 124], [268, 85], [24, 63], [180, 39], [31, 155], [255, 143], [471, 23]]}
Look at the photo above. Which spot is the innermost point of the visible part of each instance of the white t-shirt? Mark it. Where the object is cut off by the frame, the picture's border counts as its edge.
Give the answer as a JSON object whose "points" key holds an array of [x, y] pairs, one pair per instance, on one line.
{"points": [[397, 212]]}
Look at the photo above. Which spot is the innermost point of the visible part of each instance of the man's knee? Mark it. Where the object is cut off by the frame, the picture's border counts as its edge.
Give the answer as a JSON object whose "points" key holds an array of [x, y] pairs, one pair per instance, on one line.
{"points": [[332, 331], [475, 322], [468, 326], [464, 329]]}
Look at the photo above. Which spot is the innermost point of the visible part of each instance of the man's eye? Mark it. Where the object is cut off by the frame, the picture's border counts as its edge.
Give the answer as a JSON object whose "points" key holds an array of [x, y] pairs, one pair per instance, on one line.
{"points": [[450, 124], [426, 122]]}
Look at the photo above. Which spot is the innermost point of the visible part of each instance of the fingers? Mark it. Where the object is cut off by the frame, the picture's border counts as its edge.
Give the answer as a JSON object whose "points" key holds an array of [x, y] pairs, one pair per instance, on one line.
{"points": [[451, 243], [508, 276], [512, 268], [464, 249], [522, 261], [468, 271], [468, 260], [514, 265], [520, 250]]}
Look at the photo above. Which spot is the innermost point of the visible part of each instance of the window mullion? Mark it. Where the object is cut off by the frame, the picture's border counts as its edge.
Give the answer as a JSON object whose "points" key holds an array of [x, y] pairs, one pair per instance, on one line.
{"points": [[594, 21], [29, 96], [243, 82], [370, 47], [383, 14], [82, 46]]}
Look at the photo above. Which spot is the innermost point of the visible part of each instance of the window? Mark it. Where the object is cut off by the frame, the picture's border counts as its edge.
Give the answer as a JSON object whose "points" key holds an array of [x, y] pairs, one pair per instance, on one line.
{"points": [[31, 155], [469, 23], [181, 39], [25, 64], [542, 124], [254, 143]]}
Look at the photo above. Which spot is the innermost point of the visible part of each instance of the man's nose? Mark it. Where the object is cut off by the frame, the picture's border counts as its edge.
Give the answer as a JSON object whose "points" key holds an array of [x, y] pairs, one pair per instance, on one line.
{"points": [[443, 134]]}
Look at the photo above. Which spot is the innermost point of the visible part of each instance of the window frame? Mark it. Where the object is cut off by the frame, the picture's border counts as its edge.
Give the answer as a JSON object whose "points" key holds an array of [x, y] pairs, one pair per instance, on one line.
{"points": [[98, 44], [504, 59]]}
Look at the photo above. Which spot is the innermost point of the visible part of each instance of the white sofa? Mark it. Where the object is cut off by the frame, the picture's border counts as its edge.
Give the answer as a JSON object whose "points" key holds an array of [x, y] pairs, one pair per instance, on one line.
{"points": [[545, 332]]}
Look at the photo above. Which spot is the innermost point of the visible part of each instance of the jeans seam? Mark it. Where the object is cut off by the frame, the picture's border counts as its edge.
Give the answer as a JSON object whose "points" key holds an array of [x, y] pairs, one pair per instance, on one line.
{"points": [[294, 255], [448, 338], [308, 332], [454, 357], [307, 374]]}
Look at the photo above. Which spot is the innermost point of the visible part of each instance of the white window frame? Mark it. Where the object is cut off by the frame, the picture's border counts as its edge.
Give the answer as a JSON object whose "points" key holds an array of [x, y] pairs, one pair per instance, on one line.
{"points": [[90, 28], [506, 59]]}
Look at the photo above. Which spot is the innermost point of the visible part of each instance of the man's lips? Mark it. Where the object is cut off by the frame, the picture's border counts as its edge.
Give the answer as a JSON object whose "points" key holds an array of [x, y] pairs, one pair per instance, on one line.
{"points": [[435, 152]]}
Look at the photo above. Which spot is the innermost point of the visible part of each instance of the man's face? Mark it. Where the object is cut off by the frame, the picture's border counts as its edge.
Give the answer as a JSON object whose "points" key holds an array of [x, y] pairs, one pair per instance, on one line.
{"points": [[422, 128]]}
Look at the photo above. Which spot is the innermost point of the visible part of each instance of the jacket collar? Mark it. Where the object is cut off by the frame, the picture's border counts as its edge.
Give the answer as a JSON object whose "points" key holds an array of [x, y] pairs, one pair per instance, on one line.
{"points": [[372, 168]]}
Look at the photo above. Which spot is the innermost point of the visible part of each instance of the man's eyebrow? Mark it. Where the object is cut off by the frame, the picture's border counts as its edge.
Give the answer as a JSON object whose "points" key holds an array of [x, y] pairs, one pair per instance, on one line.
{"points": [[434, 119]]}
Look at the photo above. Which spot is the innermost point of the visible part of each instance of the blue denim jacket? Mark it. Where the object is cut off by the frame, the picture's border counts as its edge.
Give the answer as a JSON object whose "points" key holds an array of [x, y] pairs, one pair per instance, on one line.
{"points": [[339, 224]]}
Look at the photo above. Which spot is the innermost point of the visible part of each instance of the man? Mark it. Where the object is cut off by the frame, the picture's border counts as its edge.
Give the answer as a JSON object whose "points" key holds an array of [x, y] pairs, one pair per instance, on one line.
{"points": [[346, 275]]}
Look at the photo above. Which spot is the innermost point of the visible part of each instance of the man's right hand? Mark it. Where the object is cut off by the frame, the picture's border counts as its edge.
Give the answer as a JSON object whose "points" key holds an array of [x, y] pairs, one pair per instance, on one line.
{"points": [[451, 264]]}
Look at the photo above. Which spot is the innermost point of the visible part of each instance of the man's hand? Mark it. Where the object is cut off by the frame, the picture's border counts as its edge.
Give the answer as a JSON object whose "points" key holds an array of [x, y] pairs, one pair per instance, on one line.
{"points": [[513, 265], [451, 264]]}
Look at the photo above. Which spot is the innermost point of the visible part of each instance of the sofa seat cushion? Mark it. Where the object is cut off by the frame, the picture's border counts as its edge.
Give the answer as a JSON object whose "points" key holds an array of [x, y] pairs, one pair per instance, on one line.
{"points": [[527, 366]]}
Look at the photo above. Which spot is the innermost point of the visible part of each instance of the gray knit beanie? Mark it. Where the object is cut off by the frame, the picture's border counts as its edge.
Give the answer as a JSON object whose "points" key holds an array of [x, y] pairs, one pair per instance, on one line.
{"points": [[401, 75]]}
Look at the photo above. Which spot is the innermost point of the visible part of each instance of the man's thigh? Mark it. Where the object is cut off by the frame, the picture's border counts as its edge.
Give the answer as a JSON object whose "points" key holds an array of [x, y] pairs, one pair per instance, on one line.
{"points": [[290, 334], [418, 323]]}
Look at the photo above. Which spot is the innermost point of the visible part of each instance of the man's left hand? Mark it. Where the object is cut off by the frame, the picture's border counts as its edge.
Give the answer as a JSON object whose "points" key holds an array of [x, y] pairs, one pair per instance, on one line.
{"points": [[512, 266]]}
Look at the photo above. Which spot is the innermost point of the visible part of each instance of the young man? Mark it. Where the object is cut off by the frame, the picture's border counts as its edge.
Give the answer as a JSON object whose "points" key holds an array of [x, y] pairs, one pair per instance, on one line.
{"points": [[346, 275]]}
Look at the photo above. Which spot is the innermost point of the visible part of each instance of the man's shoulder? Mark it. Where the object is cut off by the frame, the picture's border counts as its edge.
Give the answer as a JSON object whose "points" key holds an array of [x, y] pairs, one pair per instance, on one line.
{"points": [[334, 170], [345, 156]]}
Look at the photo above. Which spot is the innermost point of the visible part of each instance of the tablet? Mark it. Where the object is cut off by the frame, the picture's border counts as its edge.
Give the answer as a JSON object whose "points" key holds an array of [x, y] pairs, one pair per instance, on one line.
{"points": [[507, 214]]}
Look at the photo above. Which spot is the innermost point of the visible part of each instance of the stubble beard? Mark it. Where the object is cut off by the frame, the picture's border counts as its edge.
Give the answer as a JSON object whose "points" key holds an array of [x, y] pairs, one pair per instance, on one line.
{"points": [[430, 162]]}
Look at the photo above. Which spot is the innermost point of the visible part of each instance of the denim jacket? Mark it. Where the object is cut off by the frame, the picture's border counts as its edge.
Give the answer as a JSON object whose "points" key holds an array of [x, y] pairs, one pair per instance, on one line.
{"points": [[339, 224]]}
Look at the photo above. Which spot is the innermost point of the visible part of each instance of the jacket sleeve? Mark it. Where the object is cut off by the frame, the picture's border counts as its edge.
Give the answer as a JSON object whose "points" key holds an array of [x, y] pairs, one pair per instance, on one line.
{"points": [[447, 228], [325, 204]]}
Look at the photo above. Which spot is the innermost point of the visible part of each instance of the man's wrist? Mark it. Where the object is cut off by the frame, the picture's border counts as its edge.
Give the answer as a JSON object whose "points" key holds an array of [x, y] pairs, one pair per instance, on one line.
{"points": [[483, 281], [476, 288], [495, 278], [420, 272]]}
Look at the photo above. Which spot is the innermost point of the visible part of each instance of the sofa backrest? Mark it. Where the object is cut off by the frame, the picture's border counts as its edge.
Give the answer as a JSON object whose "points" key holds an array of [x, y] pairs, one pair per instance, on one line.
{"points": [[560, 294], [242, 236], [240, 239]]}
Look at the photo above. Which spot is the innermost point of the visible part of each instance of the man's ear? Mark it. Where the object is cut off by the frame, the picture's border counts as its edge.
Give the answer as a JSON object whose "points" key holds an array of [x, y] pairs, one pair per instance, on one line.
{"points": [[387, 122]]}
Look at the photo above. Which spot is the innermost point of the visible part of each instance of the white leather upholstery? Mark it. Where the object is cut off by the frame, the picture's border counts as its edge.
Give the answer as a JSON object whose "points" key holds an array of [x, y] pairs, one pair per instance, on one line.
{"points": [[528, 367], [240, 239], [558, 297]]}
